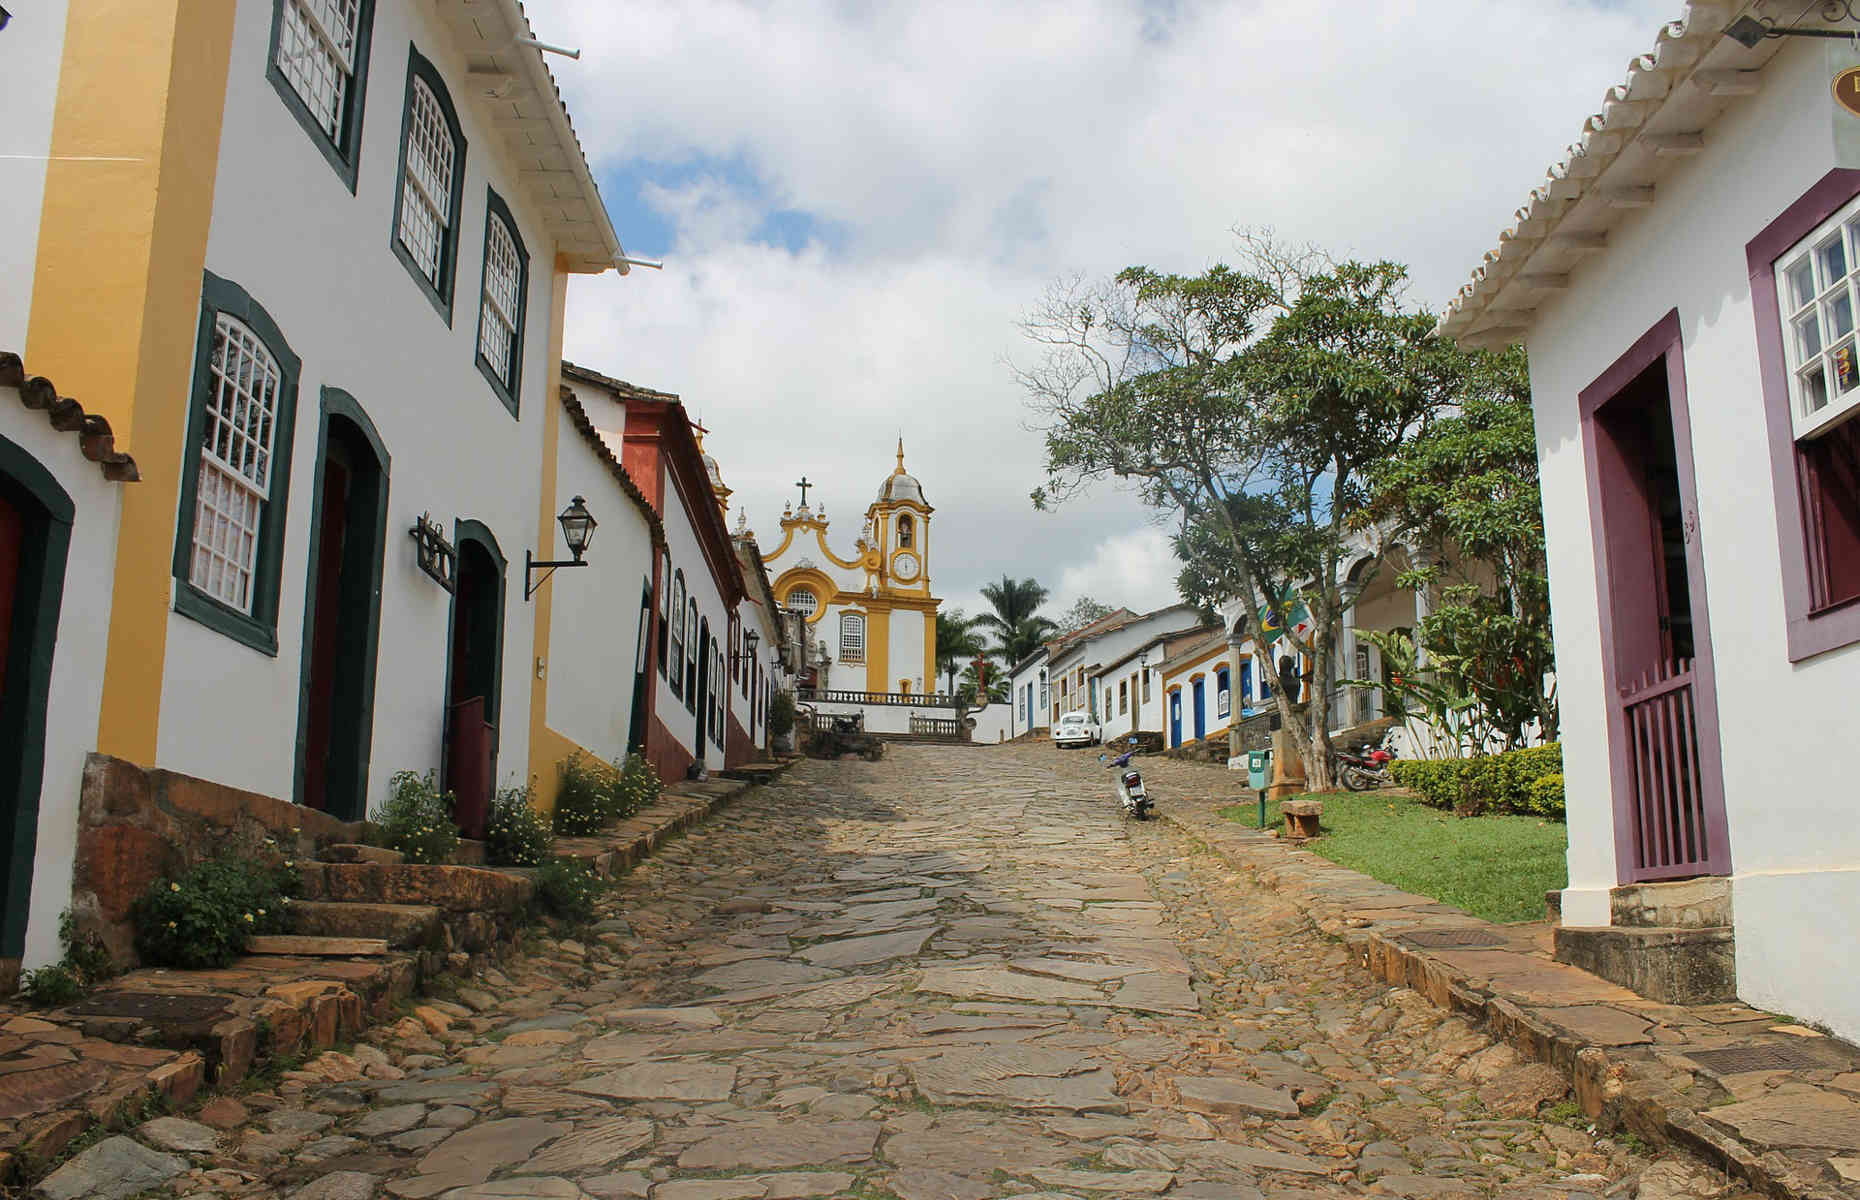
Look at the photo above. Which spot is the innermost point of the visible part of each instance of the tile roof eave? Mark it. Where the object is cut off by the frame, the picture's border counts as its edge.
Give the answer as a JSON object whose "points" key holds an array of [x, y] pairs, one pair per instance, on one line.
{"points": [[578, 417], [96, 441], [1659, 113]]}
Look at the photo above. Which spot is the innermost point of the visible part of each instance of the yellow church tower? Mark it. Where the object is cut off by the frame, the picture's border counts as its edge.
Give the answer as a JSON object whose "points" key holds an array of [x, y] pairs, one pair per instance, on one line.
{"points": [[874, 612]]}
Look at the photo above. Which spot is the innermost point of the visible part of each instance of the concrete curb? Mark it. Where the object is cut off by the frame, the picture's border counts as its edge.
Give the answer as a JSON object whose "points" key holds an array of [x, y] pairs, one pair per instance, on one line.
{"points": [[1635, 1093]]}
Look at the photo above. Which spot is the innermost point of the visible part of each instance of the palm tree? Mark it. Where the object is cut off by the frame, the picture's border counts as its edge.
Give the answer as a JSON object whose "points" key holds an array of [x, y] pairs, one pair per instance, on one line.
{"points": [[997, 683], [1016, 624], [956, 642]]}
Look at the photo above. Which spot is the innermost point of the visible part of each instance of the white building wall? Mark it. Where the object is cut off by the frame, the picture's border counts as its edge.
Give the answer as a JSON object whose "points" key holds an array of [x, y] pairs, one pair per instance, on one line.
{"points": [[317, 257], [35, 46], [907, 651], [991, 724], [679, 718], [1786, 727], [76, 689], [1029, 676], [594, 610]]}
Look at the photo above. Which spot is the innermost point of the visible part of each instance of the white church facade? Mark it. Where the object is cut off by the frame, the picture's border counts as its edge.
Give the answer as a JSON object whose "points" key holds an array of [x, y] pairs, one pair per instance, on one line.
{"points": [[872, 614]]}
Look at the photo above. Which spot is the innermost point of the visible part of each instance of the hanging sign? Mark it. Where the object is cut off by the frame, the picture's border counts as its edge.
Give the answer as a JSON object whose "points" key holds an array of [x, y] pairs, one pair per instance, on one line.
{"points": [[1843, 61], [1847, 90]]}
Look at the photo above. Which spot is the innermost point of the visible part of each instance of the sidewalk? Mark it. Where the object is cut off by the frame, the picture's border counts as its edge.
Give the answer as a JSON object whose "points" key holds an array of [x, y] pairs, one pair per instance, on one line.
{"points": [[153, 1038], [1754, 1094]]}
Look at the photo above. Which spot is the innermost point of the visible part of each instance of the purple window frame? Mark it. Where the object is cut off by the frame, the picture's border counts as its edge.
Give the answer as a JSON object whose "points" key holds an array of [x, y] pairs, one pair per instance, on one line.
{"points": [[1809, 632]]}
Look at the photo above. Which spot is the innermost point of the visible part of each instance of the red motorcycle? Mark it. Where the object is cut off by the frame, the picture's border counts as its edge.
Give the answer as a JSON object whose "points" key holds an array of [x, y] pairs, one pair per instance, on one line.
{"points": [[1366, 769]]}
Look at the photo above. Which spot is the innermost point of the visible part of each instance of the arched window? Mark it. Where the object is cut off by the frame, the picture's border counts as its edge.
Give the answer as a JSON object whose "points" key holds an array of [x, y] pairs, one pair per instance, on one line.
{"points": [[432, 175], [500, 308], [803, 601], [691, 655], [665, 608], [1223, 695], [907, 528], [852, 638], [678, 634], [235, 462]]}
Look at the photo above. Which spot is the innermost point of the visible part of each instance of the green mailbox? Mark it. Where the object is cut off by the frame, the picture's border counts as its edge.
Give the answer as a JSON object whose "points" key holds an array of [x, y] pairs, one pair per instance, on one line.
{"points": [[1258, 768]]}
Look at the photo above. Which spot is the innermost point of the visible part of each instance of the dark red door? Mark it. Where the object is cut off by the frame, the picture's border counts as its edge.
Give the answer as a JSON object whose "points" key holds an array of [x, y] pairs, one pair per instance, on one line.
{"points": [[324, 640]]}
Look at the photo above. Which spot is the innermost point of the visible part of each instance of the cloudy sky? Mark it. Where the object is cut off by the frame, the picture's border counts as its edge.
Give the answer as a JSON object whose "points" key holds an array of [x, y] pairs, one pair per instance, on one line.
{"points": [[856, 201]]}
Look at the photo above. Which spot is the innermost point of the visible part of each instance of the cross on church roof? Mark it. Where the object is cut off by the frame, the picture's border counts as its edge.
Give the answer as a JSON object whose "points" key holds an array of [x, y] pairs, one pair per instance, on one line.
{"points": [[804, 485]]}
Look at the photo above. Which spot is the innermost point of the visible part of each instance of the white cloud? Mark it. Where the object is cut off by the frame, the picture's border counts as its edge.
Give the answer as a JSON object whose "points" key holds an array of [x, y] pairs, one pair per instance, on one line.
{"points": [[1133, 569], [967, 152]]}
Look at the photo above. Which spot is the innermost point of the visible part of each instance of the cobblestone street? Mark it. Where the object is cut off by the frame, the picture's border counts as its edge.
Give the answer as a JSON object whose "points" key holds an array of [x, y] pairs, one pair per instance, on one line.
{"points": [[952, 974]]}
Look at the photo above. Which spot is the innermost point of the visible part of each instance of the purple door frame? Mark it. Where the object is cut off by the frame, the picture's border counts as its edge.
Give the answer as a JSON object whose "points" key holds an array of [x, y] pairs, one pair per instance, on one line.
{"points": [[1606, 475]]}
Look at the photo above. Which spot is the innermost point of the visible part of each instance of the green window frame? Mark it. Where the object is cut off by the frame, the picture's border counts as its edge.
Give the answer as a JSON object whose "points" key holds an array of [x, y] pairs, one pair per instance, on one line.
{"points": [[258, 628], [439, 291], [342, 147], [496, 213]]}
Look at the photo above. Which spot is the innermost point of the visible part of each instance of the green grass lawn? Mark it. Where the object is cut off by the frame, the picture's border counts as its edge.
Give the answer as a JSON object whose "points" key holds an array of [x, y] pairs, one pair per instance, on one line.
{"points": [[1496, 867]]}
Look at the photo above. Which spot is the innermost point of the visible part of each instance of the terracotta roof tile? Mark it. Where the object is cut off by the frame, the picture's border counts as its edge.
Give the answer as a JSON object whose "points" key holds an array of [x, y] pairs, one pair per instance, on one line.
{"points": [[95, 438]]}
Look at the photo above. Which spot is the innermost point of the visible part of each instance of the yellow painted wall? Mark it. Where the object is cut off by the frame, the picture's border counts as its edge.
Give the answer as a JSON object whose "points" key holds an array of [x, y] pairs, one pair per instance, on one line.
{"points": [[547, 748], [116, 288], [878, 651]]}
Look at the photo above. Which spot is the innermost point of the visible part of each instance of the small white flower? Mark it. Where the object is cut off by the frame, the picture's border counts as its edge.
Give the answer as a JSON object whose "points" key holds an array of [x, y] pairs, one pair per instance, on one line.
{"points": [[248, 916], [174, 887]]}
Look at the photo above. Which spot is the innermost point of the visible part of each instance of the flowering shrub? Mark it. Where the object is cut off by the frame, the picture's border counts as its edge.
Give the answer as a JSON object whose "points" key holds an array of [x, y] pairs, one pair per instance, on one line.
{"points": [[585, 801], [417, 819], [636, 785], [204, 917], [567, 888], [515, 834]]}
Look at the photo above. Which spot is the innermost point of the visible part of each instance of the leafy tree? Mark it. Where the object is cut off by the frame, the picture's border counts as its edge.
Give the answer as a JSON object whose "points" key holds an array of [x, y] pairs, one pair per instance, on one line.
{"points": [[1468, 484], [957, 641], [1016, 623], [1250, 404], [1083, 612]]}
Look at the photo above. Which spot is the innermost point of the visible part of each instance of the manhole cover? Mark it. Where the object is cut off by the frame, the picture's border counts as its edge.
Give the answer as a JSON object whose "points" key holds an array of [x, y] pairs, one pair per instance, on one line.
{"points": [[160, 1007], [1452, 939], [1767, 1056]]}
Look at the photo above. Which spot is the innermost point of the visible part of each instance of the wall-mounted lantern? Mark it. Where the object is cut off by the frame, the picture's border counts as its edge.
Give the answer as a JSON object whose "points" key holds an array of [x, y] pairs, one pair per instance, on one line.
{"points": [[748, 653], [577, 531]]}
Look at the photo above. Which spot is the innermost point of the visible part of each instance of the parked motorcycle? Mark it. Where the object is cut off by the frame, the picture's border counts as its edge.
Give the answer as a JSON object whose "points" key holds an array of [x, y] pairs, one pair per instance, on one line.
{"points": [[1366, 769], [1131, 796]]}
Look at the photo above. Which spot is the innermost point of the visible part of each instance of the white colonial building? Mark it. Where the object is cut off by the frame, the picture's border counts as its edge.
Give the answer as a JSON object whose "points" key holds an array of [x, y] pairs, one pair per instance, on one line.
{"points": [[1686, 286]]}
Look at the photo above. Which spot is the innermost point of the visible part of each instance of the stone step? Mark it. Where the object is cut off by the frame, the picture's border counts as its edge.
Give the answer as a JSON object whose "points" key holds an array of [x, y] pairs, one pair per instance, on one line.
{"points": [[1671, 965], [1701, 903], [316, 945], [469, 853], [457, 889], [353, 852], [401, 926]]}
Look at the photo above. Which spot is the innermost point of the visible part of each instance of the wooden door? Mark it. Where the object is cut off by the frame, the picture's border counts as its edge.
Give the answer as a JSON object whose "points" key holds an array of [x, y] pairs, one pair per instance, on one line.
{"points": [[1669, 793]]}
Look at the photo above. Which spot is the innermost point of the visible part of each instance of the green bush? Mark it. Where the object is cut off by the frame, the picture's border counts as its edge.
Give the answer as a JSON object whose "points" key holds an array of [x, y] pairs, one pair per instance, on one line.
{"points": [[205, 917], [585, 801], [1546, 796], [781, 714], [566, 888], [417, 819], [1515, 781], [54, 986], [515, 834], [636, 785]]}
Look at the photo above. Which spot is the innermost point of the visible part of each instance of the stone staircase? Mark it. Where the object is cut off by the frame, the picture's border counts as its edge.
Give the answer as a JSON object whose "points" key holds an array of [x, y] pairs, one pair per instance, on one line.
{"points": [[1670, 942]]}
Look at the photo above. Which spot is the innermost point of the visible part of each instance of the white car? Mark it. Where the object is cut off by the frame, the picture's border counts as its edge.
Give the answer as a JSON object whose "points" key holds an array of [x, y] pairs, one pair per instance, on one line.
{"points": [[1076, 729]]}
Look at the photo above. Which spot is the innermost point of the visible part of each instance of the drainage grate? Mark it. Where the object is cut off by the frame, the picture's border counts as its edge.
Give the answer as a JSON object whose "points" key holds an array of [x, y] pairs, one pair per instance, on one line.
{"points": [[1453, 939], [153, 1006], [1763, 1056]]}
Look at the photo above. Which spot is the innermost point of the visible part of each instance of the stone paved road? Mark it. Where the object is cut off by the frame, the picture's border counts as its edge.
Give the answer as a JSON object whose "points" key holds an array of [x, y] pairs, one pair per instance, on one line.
{"points": [[952, 975]]}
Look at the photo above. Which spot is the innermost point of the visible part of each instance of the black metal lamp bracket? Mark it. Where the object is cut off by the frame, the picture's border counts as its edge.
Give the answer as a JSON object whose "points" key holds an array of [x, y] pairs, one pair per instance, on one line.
{"points": [[532, 565], [1748, 31]]}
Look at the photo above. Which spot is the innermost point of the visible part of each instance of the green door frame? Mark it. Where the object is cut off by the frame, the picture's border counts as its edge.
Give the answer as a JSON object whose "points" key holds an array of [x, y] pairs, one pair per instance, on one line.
{"points": [[465, 530], [50, 512], [361, 651]]}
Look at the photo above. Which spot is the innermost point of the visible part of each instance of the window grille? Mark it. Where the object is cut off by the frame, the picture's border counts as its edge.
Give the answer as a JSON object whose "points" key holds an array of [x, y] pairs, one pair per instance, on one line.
{"points": [[678, 633], [852, 638], [426, 198], [803, 601], [1123, 697], [235, 463], [497, 323], [316, 53]]}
